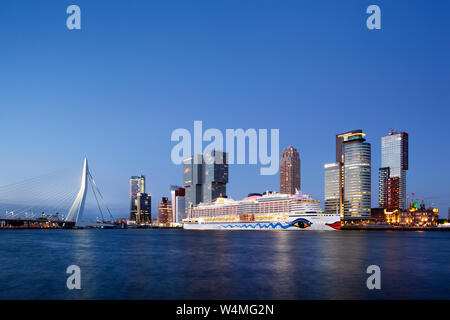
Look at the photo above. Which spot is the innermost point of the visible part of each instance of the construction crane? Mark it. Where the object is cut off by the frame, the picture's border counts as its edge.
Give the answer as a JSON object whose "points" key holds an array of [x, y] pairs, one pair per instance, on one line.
{"points": [[413, 198]]}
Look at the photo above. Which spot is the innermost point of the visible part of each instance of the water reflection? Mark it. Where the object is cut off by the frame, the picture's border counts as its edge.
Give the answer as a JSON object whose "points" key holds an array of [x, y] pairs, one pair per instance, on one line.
{"points": [[283, 283], [177, 264]]}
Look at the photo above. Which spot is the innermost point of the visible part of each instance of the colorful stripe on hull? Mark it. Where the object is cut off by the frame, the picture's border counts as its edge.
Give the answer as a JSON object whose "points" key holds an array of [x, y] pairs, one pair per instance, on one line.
{"points": [[298, 224]]}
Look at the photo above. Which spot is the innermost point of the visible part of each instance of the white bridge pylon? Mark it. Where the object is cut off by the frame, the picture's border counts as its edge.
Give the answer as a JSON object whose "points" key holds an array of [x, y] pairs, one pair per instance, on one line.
{"points": [[77, 208]]}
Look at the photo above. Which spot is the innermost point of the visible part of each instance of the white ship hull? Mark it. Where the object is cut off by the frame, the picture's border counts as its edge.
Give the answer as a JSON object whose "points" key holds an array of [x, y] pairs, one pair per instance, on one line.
{"points": [[318, 223]]}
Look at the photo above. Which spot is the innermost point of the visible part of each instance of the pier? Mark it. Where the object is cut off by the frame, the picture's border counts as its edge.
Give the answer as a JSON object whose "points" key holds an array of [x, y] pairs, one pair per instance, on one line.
{"points": [[393, 228], [39, 223]]}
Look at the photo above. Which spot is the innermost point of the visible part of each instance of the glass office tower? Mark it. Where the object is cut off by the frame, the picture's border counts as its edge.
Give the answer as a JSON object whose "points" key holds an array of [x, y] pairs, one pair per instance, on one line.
{"points": [[137, 185], [340, 142], [340, 169], [205, 177], [144, 208], [357, 177], [394, 155], [332, 188], [215, 176], [192, 180]]}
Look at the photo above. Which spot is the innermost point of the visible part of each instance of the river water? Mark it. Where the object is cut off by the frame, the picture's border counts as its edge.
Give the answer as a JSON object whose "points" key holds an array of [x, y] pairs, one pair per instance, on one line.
{"points": [[180, 264]]}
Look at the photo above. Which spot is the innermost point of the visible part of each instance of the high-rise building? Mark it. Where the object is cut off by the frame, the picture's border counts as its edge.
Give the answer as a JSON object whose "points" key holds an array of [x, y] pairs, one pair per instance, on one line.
{"points": [[392, 193], [137, 185], [165, 211], [394, 155], [144, 208], [215, 176], [289, 171], [205, 177], [347, 181], [357, 176], [383, 176], [339, 144], [178, 203], [332, 188], [192, 180]]}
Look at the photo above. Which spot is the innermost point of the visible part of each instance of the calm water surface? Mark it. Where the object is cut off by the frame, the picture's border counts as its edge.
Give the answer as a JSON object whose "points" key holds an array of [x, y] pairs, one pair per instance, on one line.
{"points": [[178, 264]]}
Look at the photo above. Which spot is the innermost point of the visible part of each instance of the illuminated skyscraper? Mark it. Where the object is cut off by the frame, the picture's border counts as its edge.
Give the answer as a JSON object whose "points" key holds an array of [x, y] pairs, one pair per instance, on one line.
{"points": [[137, 185], [383, 176], [394, 155], [357, 176], [144, 208], [289, 171], [392, 193], [339, 144], [347, 181], [165, 211], [332, 188]]}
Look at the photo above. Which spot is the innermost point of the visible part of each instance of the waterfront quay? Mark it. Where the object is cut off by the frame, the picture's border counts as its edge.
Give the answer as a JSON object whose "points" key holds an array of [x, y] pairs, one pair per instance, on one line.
{"points": [[40, 223], [392, 228], [148, 226], [52, 224]]}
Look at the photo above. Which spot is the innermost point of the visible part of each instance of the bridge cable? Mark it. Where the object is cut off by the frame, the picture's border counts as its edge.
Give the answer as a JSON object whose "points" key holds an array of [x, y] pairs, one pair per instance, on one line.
{"points": [[101, 197], [95, 195]]}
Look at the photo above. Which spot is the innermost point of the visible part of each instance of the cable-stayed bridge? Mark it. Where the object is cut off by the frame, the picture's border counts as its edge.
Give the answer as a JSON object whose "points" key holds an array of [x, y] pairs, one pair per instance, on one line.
{"points": [[51, 202]]}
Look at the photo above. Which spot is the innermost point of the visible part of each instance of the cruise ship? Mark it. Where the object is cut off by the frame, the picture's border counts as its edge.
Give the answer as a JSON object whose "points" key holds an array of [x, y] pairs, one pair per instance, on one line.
{"points": [[269, 211]]}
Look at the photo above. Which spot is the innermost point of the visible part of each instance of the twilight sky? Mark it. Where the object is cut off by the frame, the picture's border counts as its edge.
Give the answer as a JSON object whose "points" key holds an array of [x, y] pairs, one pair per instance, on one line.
{"points": [[137, 70]]}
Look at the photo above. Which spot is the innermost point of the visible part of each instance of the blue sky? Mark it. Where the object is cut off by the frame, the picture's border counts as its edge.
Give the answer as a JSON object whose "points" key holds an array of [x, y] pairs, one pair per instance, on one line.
{"points": [[137, 70]]}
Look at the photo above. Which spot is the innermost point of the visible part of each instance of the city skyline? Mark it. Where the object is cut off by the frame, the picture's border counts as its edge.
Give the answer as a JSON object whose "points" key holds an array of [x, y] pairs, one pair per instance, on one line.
{"points": [[282, 58], [228, 158], [346, 143]]}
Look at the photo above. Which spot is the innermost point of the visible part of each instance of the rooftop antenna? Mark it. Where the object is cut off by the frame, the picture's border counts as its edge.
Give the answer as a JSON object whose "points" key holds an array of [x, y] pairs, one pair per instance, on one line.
{"points": [[392, 131]]}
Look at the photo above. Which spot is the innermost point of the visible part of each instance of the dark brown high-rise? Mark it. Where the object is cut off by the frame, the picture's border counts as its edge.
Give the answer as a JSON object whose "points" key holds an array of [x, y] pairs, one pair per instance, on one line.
{"points": [[165, 211], [289, 171], [392, 194]]}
